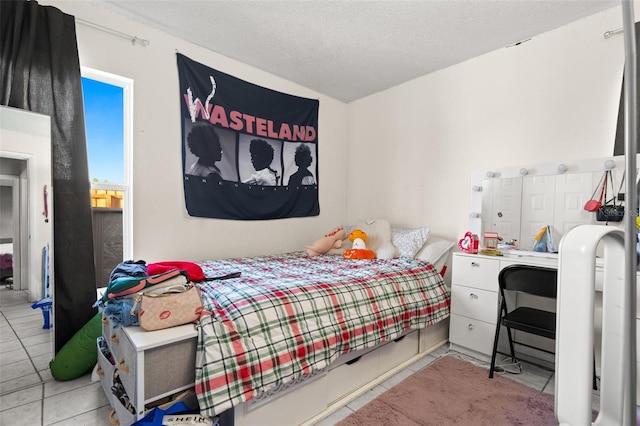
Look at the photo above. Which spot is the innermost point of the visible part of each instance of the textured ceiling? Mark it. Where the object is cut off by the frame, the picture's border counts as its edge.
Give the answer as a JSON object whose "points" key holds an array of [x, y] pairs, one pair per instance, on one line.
{"points": [[351, 49]]}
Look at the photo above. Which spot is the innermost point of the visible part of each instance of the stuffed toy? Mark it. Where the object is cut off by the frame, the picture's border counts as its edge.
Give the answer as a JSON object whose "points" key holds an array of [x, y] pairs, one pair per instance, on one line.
{"points": [[358, 248], [325, 243]]}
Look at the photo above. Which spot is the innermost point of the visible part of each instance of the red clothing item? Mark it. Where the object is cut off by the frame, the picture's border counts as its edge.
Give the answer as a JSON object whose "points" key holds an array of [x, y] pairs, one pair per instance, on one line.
{"points": [[194, 271]]}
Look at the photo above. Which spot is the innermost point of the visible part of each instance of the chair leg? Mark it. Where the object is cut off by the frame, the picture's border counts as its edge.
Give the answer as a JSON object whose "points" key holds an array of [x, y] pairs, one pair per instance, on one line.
{"points": [[495, 350], [513, 352]]}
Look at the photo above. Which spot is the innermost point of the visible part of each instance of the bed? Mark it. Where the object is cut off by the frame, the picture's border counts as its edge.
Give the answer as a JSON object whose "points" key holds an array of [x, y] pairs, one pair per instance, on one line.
{"points": [[289, 317], [289, 340]]}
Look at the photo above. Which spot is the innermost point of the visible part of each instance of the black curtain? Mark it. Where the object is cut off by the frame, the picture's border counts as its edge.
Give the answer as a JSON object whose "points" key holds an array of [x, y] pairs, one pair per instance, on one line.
{"points": [[618, 146], [40, 72]]}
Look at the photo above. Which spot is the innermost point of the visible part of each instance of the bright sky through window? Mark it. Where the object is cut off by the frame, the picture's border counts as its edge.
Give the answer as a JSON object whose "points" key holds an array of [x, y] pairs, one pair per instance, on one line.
{"points": [[104, 115]]}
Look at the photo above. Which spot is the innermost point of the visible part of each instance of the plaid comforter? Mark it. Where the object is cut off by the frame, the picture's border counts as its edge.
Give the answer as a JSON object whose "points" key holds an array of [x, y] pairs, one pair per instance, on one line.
{"points": [[290, 316]]}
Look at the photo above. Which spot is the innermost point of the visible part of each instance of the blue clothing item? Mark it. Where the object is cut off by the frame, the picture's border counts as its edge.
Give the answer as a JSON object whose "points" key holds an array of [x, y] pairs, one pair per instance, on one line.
{"points": [[129, 268], [119, 312]]}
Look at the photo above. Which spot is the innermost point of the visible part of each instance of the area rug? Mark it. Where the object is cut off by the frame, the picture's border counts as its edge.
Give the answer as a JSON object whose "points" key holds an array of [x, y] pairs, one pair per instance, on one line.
{"points": [[450, 391]]}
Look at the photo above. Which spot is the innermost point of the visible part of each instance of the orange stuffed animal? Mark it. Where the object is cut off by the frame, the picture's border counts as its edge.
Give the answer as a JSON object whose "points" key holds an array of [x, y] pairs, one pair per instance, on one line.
{"points": [[358, 249]]}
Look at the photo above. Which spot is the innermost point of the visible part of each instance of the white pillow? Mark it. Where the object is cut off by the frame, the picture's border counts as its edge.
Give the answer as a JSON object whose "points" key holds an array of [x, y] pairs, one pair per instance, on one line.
{"points": [[409, 241], [436, 251]]}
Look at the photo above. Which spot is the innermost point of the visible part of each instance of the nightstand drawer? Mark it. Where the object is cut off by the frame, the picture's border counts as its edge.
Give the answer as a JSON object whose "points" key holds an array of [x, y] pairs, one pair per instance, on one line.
{"points": [[474, 303], [472, 334], [476, 272]]}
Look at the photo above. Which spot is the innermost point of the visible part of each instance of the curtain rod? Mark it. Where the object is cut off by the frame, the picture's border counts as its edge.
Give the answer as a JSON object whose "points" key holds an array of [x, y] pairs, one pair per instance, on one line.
{"points": [[610, 33], [132, 39]]}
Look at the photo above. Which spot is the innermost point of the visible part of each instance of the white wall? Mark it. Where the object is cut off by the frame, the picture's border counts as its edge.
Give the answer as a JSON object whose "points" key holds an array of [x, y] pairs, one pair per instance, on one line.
{"points": [[551, 99], [162, 229]]}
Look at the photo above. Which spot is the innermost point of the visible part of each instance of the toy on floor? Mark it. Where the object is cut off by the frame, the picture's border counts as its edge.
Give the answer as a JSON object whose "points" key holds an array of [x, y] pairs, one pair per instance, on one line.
{"points": [[45, 304], [80, 353], [358, 248]]}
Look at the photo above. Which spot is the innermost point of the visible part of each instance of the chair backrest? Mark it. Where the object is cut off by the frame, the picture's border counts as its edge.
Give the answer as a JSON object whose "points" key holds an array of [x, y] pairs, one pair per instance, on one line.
{"points": [[536, 280]]}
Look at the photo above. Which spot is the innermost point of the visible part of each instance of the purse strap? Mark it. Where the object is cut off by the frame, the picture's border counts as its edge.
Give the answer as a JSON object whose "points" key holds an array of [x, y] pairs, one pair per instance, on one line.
{"points": [[614, 195], [598, 187], [603, 192], [621, 183]]}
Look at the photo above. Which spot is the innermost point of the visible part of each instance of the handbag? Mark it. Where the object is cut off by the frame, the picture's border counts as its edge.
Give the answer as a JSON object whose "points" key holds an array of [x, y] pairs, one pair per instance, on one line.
{"points": [[610, 211], [175, 306], [593, 205]]}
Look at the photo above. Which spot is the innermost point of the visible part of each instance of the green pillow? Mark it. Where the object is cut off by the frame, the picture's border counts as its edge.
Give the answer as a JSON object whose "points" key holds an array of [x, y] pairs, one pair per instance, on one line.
{"points": [[80, 353]]}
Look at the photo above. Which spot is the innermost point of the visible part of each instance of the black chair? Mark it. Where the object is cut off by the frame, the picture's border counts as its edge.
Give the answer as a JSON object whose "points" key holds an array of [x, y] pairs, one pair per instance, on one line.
{"points": [[537, 281]]}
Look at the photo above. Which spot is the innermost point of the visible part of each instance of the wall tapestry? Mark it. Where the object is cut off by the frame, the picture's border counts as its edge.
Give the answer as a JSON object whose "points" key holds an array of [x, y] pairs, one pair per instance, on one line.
{"points": [[248, 152]]}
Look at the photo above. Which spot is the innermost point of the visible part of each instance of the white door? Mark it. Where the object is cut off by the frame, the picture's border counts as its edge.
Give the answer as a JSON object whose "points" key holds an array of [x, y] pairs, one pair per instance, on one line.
{"points": [[537, 207], [503, 203], [572, 192]]}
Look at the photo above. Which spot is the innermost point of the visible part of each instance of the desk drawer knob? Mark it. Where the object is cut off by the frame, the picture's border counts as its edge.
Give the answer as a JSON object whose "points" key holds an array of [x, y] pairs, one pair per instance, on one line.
{"points": [[475, 265], [473, 296], [470, 326]]}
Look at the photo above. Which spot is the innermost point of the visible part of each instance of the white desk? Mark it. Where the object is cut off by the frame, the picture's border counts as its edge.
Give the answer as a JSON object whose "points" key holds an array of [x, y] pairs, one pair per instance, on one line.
{"points": [[475, 302]]}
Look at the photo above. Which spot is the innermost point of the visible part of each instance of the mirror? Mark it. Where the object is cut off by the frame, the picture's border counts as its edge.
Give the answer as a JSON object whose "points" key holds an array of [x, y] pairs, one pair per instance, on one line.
{"points": [[518, 202], [27, 226]]}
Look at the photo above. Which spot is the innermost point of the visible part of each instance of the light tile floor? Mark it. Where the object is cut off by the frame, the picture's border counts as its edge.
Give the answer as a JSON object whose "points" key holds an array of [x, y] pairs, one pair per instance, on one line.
{"points": [[28, 393], [30, 396]]}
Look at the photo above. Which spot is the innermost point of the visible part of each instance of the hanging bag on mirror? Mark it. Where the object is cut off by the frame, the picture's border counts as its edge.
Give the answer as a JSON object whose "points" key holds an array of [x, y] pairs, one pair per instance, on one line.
{"points": [[593, 205], [610, 211]]}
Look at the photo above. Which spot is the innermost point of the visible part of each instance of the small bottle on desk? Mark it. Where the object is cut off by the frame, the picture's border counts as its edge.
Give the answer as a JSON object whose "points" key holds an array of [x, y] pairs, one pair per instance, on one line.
{"points": [[476, 243]]}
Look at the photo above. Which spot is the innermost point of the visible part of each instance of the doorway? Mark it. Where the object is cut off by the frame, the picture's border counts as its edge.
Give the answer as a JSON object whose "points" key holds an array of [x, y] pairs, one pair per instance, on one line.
{"points": [[14, 259], [25, 162]]}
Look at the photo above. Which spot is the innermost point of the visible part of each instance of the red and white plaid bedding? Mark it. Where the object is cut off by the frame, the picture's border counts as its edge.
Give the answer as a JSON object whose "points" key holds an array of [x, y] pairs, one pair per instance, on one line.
{"points": [[291, 315]]}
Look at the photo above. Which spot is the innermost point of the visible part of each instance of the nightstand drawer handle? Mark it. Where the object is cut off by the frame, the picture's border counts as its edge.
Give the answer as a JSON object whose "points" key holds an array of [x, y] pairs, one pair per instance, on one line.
{"points": [[105, 320], [473, 296], [470, 326], [475, 265], [114, 339], [112, 419], [99, 371], [123, 367]]}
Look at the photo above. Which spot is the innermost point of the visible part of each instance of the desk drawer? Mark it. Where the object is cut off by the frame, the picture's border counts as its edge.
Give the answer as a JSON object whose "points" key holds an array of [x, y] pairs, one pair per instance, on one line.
{"points": [[474, 303], [472, 334], [476, 272]]}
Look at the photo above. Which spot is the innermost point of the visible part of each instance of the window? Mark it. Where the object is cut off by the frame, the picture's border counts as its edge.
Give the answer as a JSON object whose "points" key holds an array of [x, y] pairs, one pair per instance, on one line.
{"points": [[108, 101]]}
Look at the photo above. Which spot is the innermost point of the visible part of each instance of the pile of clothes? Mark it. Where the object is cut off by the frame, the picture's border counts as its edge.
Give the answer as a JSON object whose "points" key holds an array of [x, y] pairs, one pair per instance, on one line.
{"points": [[131, 277]]}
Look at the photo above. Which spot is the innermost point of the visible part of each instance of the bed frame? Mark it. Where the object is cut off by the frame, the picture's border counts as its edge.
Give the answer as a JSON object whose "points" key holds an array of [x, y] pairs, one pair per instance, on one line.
{"points": [[153, 366]]}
